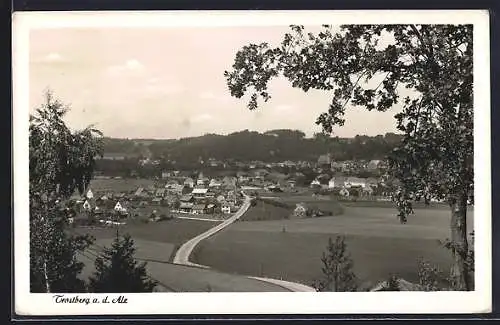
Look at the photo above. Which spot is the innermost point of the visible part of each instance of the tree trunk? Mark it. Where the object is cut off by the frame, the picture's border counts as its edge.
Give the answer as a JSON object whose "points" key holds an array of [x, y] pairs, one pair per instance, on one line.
{"points": [[460, 272], [46, 277]]}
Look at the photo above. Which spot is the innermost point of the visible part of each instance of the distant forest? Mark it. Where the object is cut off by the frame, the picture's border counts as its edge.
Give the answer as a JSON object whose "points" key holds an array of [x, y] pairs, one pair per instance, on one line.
{"points": [[270, 146]]}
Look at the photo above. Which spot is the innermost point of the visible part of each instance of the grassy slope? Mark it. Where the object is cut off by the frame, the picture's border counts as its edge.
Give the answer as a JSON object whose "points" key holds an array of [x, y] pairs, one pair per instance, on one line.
{"points": [[378, 243], [121, 185], [173, 231], [180, 278], [155, 244]]}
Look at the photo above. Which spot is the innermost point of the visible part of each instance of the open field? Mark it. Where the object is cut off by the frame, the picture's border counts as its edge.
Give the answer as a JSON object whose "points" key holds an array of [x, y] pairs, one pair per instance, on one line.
{"points": [[378, 243], [266, 211], [119, 185], [170, 233], [179, 278], [156, 244]]}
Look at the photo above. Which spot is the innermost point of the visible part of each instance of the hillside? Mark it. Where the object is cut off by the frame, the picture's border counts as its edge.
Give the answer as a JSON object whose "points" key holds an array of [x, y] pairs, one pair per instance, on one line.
{"points": [[270, 146]]}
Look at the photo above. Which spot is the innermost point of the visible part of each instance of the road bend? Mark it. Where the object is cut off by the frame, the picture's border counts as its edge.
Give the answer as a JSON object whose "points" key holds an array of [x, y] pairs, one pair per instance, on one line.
{"points": [[183, 253]]}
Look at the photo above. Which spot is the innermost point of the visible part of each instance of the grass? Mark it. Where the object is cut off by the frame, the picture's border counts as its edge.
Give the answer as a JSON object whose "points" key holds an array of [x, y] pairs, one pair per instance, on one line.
{"points": [[379, 244], [389, 204], [179, 278], [265, 211], [173, 231], [119, 185]]}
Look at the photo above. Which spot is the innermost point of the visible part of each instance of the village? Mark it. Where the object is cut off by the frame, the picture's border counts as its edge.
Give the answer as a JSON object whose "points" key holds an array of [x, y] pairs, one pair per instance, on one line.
{"points": [[181, 194]]}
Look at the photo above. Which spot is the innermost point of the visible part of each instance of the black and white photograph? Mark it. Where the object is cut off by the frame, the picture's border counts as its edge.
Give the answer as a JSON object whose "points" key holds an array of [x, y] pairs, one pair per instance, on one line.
{"points": [[252, 162]]}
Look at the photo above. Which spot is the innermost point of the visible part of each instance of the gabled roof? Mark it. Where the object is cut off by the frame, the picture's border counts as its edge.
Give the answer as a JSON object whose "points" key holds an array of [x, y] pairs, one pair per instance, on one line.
{"points": [[199, 191]]}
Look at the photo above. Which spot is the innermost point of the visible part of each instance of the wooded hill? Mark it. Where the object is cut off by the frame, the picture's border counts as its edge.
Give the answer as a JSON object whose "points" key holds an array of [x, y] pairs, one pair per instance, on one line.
{"points": [[270, 146]]}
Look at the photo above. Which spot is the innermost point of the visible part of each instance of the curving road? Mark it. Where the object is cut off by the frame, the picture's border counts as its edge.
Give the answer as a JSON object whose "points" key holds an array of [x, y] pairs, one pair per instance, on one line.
{"points": [[182, 255]]}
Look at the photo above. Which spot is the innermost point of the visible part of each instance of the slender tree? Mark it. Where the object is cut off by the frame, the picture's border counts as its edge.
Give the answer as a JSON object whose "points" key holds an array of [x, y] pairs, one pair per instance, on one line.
{"points": [[60, 162], [118, 271], [337, 268], [426, 69]]}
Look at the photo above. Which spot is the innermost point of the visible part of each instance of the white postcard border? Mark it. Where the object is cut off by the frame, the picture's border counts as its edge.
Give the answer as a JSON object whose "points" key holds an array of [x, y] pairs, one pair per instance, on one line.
{"points": [[27, 303]]}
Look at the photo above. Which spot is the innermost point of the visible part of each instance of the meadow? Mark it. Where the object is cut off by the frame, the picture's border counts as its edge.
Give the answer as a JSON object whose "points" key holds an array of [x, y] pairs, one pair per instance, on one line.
{"points": [[292, 249], [177, 278], [163, 236], [119, 185], [156, 244]]}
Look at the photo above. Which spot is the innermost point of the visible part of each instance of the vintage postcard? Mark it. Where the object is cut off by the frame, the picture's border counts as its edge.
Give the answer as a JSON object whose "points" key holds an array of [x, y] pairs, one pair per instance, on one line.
{"points": [[246, 162]]}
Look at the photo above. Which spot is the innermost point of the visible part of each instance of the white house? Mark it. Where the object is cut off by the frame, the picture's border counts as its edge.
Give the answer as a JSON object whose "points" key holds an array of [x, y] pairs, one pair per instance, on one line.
{"points": [[300, 210], [355, 182], [331, 183], [86, 205], [119, 207], [89, 194], [315, 183], [199, 192], [226, 208], [344, 192], [214, 183]]}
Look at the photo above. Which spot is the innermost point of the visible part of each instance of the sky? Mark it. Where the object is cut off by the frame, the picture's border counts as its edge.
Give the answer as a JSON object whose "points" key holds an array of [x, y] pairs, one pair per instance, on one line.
{"points": [[168, 82]]}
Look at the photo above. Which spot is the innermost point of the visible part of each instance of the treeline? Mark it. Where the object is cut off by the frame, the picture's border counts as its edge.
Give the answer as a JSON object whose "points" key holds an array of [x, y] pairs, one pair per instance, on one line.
{"points": [[270, 146]]}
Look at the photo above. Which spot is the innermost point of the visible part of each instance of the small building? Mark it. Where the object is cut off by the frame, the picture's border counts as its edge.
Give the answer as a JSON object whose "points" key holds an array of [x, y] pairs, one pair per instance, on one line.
{"points": [[87, 206], [331, 183], [189, 182], [199, 193], [344, 192], [89, 194], [226, 208], [186, 207], [160, 192], [199, 208], [210, 208], [214, 183], [355, 182], [315, 183], [156, 201], [119, 208], [300, 211]]}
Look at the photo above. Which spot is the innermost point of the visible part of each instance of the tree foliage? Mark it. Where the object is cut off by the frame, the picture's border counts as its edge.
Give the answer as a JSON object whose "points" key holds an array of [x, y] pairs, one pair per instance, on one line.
{"points": [[424, 69], [61, 161], [337, 268], [118, 271]]}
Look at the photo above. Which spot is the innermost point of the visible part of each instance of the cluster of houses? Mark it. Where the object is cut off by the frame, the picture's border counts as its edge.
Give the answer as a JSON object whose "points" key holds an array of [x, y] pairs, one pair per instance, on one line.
{"points": [[347, 186], [327, 161], [176, 195]]}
